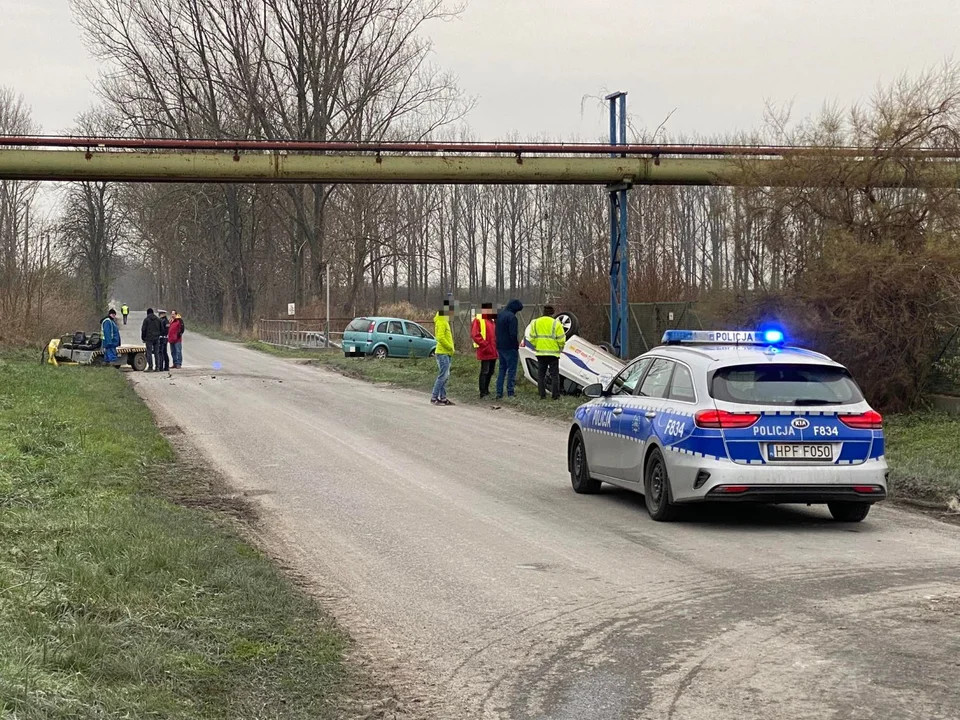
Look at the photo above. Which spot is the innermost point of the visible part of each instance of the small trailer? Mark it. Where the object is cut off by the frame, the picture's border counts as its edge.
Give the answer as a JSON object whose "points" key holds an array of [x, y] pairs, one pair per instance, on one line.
{"points": [[83, 349]]}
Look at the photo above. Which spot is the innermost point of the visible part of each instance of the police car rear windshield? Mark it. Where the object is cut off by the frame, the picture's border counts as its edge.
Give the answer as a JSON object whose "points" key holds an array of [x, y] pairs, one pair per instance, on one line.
{"points": [[799, 385]]}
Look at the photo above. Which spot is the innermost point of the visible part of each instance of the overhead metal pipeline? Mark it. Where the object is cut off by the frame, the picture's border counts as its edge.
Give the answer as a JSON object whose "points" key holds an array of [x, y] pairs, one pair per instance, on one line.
{"points": [[259, 165], [444, 148]]}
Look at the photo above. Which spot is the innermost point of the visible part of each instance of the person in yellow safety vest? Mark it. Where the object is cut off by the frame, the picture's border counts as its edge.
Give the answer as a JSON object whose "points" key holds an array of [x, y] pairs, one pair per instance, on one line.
{"points": [[124, 310], [484, 333], [547, 338]]}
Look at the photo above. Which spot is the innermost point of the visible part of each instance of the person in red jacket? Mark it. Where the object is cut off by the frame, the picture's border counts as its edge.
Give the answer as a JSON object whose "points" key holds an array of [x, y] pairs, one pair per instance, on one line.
{"points": [[484, 334], [175, 338]]}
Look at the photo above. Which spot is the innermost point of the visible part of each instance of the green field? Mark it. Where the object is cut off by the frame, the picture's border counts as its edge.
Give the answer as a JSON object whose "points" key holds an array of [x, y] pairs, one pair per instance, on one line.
{"points": [[114, 601]]}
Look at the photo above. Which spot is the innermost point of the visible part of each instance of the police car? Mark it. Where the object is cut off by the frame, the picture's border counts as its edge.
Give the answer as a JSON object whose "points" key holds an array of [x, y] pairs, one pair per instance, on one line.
{"points": [[731, 416]]}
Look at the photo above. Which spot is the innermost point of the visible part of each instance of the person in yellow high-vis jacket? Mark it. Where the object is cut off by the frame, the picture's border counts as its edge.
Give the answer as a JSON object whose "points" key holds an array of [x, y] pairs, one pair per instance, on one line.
{"points": [[444, 353], [546, 336]]}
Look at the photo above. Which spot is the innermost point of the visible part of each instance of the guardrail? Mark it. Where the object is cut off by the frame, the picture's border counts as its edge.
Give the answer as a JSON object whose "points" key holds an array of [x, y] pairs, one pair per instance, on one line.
{"points": [[300, 333]]}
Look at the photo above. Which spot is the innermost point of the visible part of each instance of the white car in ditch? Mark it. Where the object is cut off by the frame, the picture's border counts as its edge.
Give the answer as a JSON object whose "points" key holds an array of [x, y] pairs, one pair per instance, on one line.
{"points": [[581, 364]]}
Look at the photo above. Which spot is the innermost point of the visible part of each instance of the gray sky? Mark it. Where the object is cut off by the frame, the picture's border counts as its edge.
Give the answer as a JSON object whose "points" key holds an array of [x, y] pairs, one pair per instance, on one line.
{"points": [[530, 63]]}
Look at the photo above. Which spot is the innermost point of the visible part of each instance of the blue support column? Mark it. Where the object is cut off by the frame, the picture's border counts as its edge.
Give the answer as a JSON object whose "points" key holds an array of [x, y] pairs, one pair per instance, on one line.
{"points": [[619, 302]]}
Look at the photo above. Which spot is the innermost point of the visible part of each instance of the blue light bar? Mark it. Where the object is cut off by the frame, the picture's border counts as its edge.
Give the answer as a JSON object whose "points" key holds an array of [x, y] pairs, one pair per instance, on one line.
{"points": [[723, 337]]}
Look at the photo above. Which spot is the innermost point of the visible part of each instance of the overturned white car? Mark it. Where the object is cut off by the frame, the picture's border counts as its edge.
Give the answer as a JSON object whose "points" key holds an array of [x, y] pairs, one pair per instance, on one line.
{"points": [[581, 363]]}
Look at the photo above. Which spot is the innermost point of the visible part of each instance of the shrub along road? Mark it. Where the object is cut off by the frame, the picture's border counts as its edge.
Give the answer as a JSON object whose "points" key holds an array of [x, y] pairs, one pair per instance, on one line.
{"points": [[449, 543]]}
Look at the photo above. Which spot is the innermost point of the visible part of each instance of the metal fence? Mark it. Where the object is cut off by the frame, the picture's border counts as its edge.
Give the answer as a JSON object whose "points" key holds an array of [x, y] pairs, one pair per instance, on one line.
{"points": [[303, 333], [945, 377], [648, 321]]}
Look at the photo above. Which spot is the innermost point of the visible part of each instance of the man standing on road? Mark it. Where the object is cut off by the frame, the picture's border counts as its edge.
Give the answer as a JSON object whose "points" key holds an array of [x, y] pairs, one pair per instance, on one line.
{"points": [[162, 354], [124, 310], [508, 347], [175, 338], [444, 353], [483, 332], [150, 332], [110, 337], [547, 337]]}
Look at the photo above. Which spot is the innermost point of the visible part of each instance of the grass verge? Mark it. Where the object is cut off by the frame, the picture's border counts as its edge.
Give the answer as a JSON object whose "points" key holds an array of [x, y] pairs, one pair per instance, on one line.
{"points": [[114, 602], [420, 374], [923, 450], [216, 333]]}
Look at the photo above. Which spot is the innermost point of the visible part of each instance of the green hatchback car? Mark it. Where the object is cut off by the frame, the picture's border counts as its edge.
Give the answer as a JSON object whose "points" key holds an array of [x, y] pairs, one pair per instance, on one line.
{"points": [[382, 337]]}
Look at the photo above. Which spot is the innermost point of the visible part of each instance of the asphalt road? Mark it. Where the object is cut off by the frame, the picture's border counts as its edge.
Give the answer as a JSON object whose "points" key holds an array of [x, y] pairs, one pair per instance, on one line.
{"points": [[449, 542]]}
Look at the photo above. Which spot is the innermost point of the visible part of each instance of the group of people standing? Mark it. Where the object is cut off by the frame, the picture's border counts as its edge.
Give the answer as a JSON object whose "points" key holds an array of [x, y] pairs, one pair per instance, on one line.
{"points": [[496, 338], [157, 332]]}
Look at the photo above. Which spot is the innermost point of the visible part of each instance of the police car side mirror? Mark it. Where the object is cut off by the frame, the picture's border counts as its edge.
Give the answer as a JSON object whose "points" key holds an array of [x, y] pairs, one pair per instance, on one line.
{"points": [[593, 391]]}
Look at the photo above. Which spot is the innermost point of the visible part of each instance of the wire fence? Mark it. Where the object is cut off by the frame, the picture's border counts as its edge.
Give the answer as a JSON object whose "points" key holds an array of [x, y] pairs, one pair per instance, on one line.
{"points": [[945, 377]]}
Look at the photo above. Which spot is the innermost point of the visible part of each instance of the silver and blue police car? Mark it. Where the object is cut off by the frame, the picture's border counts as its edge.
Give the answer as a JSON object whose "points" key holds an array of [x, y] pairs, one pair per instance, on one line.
{"points": [[731, 416]]}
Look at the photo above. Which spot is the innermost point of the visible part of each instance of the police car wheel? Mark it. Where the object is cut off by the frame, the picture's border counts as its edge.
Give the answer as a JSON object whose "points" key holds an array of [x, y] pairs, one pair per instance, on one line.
{"points": [[848, 511], [656, 489], [579, 471]]}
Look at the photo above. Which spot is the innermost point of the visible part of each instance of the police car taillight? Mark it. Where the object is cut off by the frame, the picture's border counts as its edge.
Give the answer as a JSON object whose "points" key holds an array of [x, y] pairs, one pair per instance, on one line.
{"points": [[870, 420], [725, 420]]}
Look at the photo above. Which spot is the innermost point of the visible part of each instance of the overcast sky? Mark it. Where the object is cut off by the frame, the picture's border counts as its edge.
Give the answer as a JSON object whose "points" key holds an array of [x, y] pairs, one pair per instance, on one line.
{"points": [[536, 67]]}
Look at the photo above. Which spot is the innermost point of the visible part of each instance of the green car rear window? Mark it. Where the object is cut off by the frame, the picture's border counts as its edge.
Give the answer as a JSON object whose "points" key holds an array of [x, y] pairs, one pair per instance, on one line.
{"points": [[358, 325]]}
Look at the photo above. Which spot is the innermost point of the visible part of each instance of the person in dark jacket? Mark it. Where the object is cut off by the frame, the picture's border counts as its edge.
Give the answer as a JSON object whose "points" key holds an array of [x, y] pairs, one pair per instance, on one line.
{"points": [[162, 354], [150, 333], [508, 347]]}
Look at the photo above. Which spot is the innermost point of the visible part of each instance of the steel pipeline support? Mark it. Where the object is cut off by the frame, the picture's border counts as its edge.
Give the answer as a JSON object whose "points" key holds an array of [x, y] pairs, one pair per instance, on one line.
{"points": [[619, 257]]}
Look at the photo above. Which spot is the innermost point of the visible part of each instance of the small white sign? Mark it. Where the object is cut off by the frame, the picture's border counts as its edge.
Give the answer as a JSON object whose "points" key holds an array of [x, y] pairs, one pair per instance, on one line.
{"points": [[670, 316], [291, 308]]}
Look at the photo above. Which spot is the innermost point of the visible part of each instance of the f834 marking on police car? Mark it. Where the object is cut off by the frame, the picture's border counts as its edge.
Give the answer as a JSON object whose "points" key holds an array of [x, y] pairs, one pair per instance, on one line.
{"points": [[761, 421], [674, 427], [826, 430]]}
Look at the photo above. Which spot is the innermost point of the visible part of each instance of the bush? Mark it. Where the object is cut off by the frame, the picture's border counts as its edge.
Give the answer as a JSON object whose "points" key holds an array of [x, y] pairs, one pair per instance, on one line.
{"points": [[884, 314], [406, 310]]}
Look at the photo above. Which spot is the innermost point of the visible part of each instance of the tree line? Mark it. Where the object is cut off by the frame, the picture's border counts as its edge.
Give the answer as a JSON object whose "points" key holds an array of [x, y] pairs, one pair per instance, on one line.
{"points": [[849, 262]]}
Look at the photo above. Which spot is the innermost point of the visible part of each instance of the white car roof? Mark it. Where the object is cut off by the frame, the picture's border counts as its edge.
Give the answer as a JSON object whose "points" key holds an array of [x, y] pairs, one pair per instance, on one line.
{"points": [[711, 357]]}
